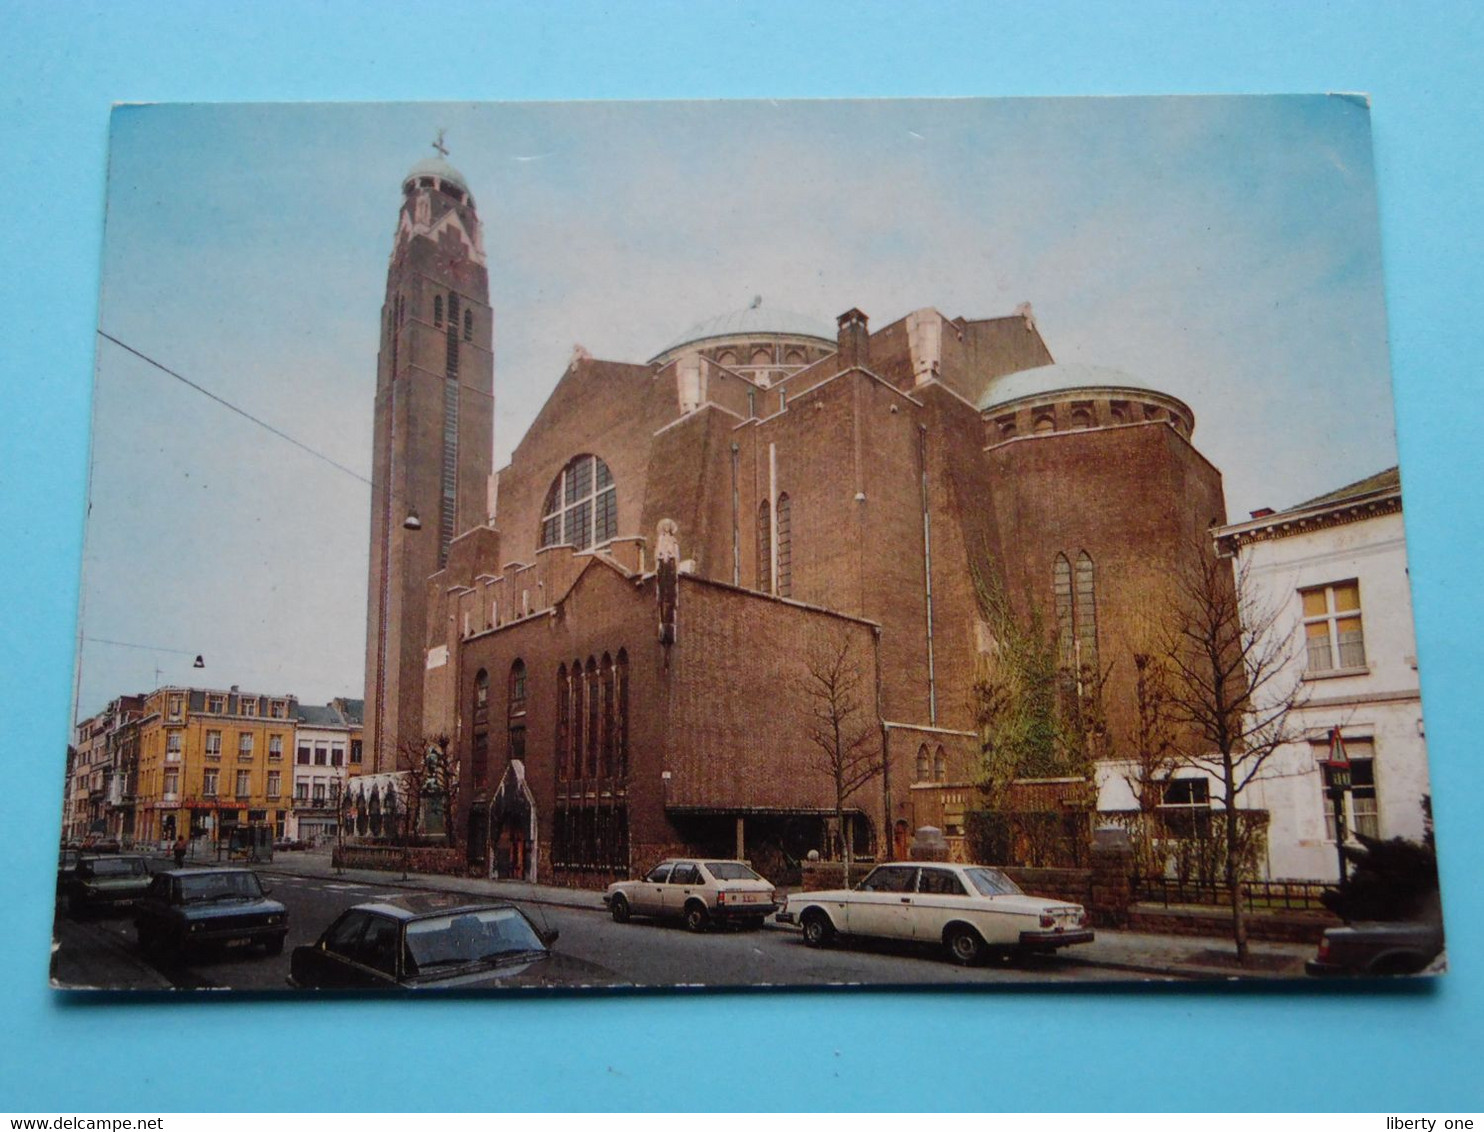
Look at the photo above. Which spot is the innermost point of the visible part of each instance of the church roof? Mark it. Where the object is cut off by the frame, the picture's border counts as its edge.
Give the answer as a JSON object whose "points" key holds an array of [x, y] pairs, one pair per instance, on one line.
{"points": [[437, 167], [1056, 378], [755, 319]]}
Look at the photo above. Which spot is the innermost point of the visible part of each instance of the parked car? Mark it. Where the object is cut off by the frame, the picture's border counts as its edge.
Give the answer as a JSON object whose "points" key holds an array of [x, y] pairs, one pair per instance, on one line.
{"points": [[697, 892], [67, 860], [96, 883], [191, 908], [972, 910], [438, 942], [1406, 947]]}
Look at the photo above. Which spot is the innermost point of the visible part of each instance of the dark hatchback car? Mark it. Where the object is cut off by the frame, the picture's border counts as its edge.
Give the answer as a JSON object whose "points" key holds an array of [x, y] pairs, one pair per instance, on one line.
{"points": [[438, 942], [192, 908], [66, 863], [99, 883]]}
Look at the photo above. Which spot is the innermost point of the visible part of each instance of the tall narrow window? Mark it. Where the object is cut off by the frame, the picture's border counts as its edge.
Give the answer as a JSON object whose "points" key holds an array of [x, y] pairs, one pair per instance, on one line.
{"points": [[581, 506], [579, 719], [468, 324], [764, 547], [1061, 589], [1086, 616], [785, 546], [594, 709], [922, 763], [940, 765], [610, 690], [479, 744], [516, 713], [564, 724], [437, 310], [621, 741]]}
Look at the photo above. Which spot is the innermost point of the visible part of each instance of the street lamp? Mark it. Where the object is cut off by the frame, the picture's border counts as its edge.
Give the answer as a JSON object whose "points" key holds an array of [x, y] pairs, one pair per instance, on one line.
{"points": [[1338, 765]]}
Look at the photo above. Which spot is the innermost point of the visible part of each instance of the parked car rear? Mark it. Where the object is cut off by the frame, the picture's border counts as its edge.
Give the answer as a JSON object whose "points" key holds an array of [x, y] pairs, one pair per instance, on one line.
{"points": [[698, 892]]}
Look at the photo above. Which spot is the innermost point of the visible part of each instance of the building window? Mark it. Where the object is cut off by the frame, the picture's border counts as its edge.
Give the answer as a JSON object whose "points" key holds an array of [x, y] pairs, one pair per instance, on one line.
{"points": [[437, 310], [940, 765], [355, 752], [518, 688], [609, 720], [922, 763], [515, 715], [244, 783], [275, 747], [278, 709], [208, 782], [303, 755], [213, 744], [1185, 808], [275, 783], [469, 324], [247, 706], [337, 754], [321, 754], [301, 791], [563, 723], [578, 716], [581, 509], [175, 707], [319, 792], [1332, 632], [172, 783], [1085, 613], [621, 725], [244, 745], [764, 548], [216, 705], [172, 747], [1074, 597], [785, 547], [1361, 812], [594, 707]]}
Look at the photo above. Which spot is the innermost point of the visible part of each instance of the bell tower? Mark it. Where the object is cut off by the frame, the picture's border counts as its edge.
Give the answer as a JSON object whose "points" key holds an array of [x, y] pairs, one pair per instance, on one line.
{"points": [[433, 435]]}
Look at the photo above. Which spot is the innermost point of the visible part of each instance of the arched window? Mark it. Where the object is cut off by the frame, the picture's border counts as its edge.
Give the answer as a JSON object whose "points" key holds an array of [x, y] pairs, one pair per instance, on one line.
{"points": [[437, 310], [1081, 417], [610, 696], [764, 547], [1086, 616], [468, 325], [515, 715], [1044, 422], [726, 358], [479, 742], [794, 358], [1061, 589], [922, 763], [581, 509], [453, 311], [594, 716], [579, 719], [762, 356], [785, 547], [621, 721], [564, 724], [940, 765]]}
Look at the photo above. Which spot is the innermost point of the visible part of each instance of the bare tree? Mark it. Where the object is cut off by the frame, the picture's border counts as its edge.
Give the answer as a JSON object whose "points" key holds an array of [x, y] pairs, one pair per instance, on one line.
{"points": [[1233, 689], [1153, 756], [842, 728], [428, 774]]}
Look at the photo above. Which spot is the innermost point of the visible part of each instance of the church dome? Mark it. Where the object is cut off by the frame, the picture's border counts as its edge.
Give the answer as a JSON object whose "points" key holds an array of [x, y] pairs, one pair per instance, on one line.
{"points": [[437, 167], [1065, 377], [754, 321]]}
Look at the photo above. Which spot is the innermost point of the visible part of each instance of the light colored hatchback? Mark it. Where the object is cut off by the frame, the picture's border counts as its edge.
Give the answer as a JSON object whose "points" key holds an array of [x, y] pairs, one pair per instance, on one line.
{"points": [[972, 910], [698, 892]]}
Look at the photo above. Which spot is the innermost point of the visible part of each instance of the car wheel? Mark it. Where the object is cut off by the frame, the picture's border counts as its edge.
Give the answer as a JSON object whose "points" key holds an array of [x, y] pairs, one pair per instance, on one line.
{"points": [[620, 910], [818, 931], [964, 945], [696, 917]]}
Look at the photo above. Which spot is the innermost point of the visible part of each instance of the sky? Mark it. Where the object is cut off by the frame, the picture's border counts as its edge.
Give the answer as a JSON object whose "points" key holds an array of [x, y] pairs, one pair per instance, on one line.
{"points": [[1224, 250]]}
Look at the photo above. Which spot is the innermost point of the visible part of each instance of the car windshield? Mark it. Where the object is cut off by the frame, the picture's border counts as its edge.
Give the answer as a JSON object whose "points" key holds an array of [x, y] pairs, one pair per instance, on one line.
{"points": [[481, 934], [117, 867], [219, 886], [730, 870], [992, 882]]}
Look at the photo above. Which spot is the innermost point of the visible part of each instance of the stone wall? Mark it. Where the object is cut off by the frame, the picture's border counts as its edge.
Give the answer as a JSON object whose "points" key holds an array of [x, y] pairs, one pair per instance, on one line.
{"points": [[1216, 922], [438, 860]]}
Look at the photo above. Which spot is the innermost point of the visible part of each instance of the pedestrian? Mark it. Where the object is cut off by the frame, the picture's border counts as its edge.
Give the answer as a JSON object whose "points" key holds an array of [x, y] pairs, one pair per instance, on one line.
{"points": [[180, 851]]}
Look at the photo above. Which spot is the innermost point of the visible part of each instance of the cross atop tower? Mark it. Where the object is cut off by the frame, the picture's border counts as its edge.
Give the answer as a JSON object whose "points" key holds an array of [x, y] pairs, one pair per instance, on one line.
{"points": [[438, 143]]}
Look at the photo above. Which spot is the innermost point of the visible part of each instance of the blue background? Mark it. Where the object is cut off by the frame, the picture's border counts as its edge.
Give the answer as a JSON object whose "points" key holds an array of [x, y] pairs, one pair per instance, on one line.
{"points": [[1309, 1047]]}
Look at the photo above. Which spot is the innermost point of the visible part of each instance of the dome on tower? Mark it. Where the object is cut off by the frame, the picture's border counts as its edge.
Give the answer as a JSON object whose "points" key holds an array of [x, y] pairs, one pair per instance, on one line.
{"points": [[437, 167], [1061, 377]]}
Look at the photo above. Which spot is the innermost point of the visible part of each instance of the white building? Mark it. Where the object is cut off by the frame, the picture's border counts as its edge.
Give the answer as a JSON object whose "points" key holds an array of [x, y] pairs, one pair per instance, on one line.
{"points": [[327, 748], [1337, 568]]}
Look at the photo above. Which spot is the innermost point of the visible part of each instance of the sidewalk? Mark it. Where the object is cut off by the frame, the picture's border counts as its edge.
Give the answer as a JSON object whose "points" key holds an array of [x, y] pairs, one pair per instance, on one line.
{"points": [[1163, 956]]}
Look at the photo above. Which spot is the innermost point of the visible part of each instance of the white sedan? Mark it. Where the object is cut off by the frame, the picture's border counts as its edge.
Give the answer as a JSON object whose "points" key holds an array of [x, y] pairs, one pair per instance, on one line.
{"points": [[972, 910], [697, 892]]}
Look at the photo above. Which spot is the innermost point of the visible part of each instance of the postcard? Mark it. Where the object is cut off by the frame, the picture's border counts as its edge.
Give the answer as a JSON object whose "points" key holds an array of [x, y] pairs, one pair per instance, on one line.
{"points": [[743, 544]]}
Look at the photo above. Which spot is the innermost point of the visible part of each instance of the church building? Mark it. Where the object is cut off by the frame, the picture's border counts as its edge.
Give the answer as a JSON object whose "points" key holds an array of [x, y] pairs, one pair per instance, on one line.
{"points": [[696, 568]]}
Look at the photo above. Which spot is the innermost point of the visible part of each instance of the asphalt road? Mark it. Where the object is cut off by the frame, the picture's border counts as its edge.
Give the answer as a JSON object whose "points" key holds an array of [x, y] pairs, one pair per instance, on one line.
{"points": [[103, 952]]}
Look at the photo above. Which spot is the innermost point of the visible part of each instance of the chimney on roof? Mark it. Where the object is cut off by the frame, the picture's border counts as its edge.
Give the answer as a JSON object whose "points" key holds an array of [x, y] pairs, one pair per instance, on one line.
{"points": [[854, 339], [1262, 512]]}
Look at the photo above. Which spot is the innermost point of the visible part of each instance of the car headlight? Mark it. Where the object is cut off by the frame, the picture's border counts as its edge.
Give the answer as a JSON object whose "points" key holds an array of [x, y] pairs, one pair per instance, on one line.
{"points": [[274, 919], [196, 927]]}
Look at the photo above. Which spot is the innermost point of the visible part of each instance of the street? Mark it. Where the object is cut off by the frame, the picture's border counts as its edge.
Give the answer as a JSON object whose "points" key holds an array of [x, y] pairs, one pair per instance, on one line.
{"points": [[103, 952]]}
